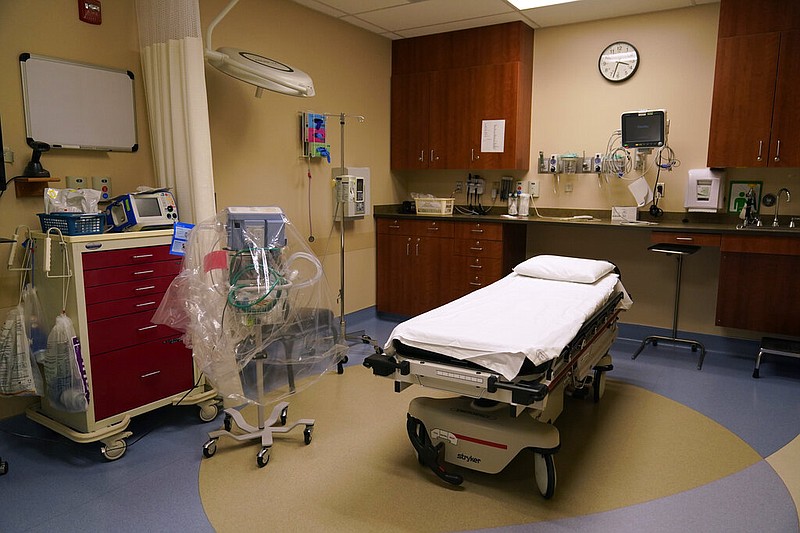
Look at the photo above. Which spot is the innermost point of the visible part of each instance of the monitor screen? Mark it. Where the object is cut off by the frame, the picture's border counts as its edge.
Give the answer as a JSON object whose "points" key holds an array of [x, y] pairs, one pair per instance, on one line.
{"points": [[644, 129], [147, 207]]}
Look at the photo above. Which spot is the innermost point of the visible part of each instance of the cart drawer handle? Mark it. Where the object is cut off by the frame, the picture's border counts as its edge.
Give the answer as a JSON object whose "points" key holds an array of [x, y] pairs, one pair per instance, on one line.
{"points": [[143, 272], [148, 327], [145, 288], [145, 304], [143, 256], [151, 374], [684, 239]]}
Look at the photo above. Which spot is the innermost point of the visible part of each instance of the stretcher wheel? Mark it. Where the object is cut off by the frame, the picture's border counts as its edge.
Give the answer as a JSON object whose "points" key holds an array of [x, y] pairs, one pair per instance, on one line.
{"points": [[545, 474], [227, 424], [209, 412], [210, 448], [307, 434], [598, 385], [3, 467], [284, 415], [263, 457], [114, 450]]}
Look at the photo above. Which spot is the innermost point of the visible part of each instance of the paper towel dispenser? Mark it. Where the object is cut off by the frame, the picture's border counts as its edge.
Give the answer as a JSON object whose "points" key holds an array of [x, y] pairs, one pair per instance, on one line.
{"points": [[704, 190]]}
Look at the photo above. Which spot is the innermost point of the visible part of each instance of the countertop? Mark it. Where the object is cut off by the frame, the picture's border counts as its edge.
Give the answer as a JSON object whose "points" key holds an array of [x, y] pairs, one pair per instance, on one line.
{"points": [[689, 222]]}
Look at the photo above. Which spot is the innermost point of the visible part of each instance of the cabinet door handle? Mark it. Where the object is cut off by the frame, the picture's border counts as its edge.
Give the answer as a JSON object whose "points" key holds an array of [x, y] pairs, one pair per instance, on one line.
{"points": [[153, 326], [422, 156], [778, 151], [472, 156], [684, 239], [408, 248], [147, 288], [416, 249], [150, 374], [760, 145], [143, 256], [141, 272], [145, 304], [433, 157]]}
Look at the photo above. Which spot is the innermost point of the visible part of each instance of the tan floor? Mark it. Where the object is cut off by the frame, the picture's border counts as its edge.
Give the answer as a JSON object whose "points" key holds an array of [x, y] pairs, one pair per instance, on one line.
{"points": [[786, 462], [360, 472]]}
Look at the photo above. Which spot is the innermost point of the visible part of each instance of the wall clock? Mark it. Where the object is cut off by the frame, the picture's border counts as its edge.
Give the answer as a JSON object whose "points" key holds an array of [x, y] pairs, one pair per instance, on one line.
{"points": [[618, 61]]}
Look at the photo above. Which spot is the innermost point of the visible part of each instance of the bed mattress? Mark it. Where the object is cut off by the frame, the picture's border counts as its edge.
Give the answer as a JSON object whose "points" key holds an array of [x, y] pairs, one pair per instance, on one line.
{"points": [[515, 318]]}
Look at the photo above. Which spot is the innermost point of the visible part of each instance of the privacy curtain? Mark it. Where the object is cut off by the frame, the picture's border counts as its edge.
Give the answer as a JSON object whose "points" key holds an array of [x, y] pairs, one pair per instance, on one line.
{"points": [[177, 106]]}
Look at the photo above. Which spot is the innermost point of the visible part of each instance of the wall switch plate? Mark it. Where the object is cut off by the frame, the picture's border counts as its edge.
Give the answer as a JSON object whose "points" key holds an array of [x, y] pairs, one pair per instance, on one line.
{"points": [[76, 182], [102, 184], [533, 188], [8, 155]]}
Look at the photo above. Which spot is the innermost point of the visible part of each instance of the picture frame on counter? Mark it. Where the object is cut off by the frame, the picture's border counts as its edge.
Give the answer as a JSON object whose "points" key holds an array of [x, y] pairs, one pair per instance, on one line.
{"points": [[737, 195]]}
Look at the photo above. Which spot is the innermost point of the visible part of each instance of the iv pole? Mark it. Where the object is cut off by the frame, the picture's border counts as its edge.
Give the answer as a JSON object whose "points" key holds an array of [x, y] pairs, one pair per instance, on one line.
{"points": [[340, 209]]}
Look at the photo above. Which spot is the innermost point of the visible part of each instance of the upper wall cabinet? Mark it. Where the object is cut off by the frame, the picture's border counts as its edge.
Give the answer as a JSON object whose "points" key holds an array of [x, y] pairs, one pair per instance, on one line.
{"points": [[444, 88], [755, 119]]}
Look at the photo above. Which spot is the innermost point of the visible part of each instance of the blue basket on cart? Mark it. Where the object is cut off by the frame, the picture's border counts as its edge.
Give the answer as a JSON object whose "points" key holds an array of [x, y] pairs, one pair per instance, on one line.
{"points": [[74, 223]]}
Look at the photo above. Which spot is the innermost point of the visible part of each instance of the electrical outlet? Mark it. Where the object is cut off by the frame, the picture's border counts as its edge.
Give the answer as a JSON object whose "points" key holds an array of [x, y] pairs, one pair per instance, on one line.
{"points": [[102, 184], [660, 189], [76, 182], [568, 187], [8, 155], [533, 188], [459, 186], [519, 188]]}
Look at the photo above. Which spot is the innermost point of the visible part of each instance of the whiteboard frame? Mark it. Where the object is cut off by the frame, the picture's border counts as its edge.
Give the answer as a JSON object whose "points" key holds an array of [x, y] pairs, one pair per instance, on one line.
{"points": [[78, 105]]}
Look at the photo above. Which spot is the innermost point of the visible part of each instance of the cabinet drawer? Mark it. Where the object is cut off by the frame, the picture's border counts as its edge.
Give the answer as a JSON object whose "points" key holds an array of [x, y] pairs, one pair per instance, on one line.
{"points": [[479, 248], [483, 230], [129, 330], [128, 256], [778, 245], [106, 308], [130, 378], [469, 281], [116, 291], [697, 239], [418, 228], [477, 265], [94, 278]]}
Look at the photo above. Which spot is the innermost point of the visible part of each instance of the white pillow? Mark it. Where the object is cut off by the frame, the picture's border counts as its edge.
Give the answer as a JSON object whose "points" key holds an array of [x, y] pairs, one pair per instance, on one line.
{"points": [[560, 268]]}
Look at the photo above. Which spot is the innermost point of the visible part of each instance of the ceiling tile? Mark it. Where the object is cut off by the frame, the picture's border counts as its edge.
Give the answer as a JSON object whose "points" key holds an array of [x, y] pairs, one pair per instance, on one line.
{"points": [[464, 24], [434, 12], [321, 7]]}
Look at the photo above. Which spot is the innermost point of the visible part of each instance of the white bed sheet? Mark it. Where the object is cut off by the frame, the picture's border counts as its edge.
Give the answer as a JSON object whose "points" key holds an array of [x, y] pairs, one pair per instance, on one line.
{"points": [[514, 318]]}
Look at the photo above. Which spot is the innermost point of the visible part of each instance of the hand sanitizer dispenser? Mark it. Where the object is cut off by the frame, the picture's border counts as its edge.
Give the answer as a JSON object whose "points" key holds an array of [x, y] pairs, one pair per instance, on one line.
{"points": [[704, 190]]}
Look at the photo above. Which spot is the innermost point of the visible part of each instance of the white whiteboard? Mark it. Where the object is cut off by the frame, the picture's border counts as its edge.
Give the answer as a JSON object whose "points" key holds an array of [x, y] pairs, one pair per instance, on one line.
{"points": [[77, 105]]}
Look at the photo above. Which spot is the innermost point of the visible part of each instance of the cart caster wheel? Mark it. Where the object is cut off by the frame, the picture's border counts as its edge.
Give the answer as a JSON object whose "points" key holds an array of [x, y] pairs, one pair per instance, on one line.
{"points": [[209, 412], [545, 474], [598, 385], [227, 423], [694, 347], [756, 374], [210, 448], [340, 365], [3, 468], [284, 415], [114, 450], [307, 434], [655, 342], [263, 457]]}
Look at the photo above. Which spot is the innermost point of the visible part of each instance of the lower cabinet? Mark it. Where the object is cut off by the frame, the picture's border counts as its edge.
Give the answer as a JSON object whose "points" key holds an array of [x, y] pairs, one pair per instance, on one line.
{"points": [[759, 286], [422, 264]]}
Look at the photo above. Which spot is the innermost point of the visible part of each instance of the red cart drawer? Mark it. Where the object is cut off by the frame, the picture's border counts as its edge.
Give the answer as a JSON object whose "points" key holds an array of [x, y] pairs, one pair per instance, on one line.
{"points": [[129, 330], [128, 256], [94, 278], [114, 308], [130, 378], [116, 291]]}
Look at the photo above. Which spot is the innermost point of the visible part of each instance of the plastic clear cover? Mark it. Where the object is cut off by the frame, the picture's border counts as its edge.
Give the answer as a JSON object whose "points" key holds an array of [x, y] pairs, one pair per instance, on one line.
{"points": [[256, 314]]}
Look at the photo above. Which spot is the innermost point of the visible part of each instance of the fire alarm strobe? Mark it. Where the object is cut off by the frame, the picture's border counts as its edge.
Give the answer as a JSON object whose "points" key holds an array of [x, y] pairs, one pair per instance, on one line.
{"points": [[89, 11]]}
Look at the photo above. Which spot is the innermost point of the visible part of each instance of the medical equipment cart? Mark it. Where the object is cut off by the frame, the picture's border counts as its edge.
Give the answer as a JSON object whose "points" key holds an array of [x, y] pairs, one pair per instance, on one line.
{"points": [[132, 365]]}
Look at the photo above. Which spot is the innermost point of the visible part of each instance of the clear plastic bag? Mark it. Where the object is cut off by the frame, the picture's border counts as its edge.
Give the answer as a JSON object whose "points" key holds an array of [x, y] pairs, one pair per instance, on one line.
{"points": [[254, 306], [36, 323], [64, 372], [19, 374]]}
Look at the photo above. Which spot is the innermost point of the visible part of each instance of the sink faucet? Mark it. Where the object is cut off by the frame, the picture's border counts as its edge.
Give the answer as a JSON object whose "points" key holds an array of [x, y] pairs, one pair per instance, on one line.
{"points": [[748, 213], [778, 204]]}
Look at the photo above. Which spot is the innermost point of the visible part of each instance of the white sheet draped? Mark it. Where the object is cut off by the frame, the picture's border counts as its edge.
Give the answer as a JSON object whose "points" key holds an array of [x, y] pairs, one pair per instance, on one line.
{"points": [[177, 103]]}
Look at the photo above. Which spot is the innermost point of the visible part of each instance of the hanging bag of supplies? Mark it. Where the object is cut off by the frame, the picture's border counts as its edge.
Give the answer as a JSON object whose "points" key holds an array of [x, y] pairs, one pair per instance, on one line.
{"points": [[19, 375], [64, 372]]}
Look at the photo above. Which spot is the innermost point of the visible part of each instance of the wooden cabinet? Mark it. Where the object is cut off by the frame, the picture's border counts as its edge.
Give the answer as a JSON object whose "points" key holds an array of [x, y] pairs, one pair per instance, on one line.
{"points": [[414, 260], [422, 264], [132, 365], [444, 87], [759, 288], [485, 252], [754, 114]]}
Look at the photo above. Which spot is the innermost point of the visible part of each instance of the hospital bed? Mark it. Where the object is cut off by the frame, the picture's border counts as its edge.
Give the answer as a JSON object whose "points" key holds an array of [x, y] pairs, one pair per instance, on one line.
{"points": [[510, 352]]}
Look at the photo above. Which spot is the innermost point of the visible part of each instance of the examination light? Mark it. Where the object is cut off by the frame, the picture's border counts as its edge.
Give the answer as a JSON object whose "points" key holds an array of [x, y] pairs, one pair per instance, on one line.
{"points": [[263, 72]]}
